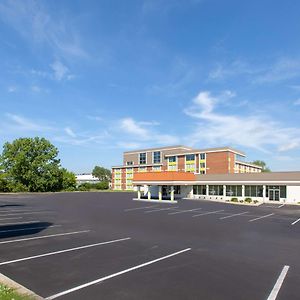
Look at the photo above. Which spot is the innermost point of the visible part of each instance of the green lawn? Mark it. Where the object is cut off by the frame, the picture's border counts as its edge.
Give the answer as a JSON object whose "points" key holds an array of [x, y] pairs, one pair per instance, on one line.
{"points": [[7, 293]]}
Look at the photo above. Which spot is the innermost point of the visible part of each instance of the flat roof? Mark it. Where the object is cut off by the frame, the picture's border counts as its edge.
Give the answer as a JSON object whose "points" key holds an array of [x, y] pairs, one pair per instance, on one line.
{"points": [[263, 176], [206, 150], [159, 148]]}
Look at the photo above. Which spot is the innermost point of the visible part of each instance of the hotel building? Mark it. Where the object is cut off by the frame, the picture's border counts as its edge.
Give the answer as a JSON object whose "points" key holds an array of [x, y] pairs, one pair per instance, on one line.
{"points": [[209, 174]]}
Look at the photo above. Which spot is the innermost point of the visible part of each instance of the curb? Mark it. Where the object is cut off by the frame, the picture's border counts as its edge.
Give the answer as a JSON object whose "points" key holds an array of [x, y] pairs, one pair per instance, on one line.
{"points": [[156, 201], [18, 287]]}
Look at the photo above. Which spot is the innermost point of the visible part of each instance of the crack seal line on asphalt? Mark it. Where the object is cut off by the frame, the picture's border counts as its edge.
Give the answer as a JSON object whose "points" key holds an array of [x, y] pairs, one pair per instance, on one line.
{"points": [[114, 275]]}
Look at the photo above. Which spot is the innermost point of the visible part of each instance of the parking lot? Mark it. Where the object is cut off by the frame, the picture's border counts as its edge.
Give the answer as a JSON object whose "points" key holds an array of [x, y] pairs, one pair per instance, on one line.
{"points": [[107, 246]]}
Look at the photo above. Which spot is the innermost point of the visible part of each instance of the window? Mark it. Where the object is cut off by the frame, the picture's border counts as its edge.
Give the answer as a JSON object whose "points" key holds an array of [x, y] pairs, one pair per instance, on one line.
{"points": [[283, 191], [199, 189], [129, 173], [172, 163], [254, 190], [190, 164], [202, 165], [234, 190], [202, 156], [202, 171], [156, 157], [156, 168], [172, 159], [190, 157], [215, 190], [142, 169], [129, 163], [142, 159]]}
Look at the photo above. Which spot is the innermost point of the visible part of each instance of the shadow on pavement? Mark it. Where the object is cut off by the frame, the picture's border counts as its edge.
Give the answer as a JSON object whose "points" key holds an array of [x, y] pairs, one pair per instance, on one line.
{"points": [[10, 205], [7, 231]]}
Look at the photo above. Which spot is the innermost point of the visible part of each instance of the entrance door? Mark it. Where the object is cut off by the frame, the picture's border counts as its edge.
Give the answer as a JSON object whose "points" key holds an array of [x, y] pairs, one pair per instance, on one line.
{"points": [[274, 195]]}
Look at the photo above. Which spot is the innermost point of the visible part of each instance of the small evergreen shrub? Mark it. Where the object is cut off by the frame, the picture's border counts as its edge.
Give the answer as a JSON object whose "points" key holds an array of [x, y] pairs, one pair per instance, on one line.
{"points": [[248, 200], [234, 200]]}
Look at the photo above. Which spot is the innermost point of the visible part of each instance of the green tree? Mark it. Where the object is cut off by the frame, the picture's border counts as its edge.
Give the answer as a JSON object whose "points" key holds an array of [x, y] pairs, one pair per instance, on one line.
{"points": [[68, 180], [264, 166], [101, 173], [32, 164]]}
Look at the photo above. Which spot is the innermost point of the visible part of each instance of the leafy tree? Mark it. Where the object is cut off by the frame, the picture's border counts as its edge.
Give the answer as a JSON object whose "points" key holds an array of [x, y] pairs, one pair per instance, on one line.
{"points": [[32, 164], [68, 180], [264, 166], [101, 173]]}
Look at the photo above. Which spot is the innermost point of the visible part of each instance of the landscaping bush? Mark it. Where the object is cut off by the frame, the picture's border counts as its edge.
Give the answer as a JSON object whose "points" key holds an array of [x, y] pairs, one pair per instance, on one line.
{"points": [[234, 200], [255, 201], [248, 200], [103, 185], [241, 201]]}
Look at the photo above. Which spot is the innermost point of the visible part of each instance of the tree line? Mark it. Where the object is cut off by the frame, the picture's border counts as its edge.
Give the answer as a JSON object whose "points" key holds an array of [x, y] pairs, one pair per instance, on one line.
{"points": [[32, 165]]}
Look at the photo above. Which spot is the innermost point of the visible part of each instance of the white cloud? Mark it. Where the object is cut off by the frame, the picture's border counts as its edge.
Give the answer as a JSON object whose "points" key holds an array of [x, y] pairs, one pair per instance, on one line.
{"points": [[32, 21], [60, 70], [253, 131], [282, 69], [12, 89], [297, 102], [24, 124], [130, 126], [35, 89], [137, 130], [70, 132]]}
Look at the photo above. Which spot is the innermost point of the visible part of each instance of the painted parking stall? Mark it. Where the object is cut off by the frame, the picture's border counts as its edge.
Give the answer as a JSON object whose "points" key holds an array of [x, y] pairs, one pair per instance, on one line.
{"points": [[130, 247]]}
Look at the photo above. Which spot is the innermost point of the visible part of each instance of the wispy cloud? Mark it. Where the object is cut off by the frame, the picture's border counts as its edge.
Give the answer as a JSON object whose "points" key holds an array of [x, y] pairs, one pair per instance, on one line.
{"points": [[21, 123], [297, 102], [32, 21], [12, 89], [70, 132], [139, 132], [253, 131], [60, 70], [282, 69]]}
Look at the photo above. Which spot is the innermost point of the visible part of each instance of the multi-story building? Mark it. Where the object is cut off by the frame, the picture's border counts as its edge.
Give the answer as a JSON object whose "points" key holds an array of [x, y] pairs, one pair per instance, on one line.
{"points": [[223, 160]]}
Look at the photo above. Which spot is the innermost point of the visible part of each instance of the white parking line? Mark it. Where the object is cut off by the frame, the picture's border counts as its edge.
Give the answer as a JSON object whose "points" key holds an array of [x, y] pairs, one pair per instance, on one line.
{"points": [[208, 213], [295, 221], [234, 215], [18, 223], [29, 228], [282, 205], [278, 284], [62, 251], [159, 209], [114, 275], [11, 219], [44, 237], [265, 216], [183, 211], [136, 208]]}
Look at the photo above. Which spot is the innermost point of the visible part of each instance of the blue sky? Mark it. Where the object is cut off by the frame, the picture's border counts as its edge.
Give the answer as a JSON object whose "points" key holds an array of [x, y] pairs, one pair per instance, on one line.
{"points": [[101, 77]]}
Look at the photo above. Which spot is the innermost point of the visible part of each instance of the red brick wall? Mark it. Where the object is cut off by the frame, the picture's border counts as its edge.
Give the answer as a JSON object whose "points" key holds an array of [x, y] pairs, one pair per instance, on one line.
{"points": [[181, 163], [219, 163]]}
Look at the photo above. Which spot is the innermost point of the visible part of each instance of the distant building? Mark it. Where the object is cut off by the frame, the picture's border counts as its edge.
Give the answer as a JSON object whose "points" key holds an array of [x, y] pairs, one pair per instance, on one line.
{"points": [[86, 178]]}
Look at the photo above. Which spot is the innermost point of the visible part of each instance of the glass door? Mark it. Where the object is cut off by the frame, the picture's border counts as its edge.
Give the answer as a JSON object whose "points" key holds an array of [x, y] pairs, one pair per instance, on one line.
{"points": [[274, 195]]}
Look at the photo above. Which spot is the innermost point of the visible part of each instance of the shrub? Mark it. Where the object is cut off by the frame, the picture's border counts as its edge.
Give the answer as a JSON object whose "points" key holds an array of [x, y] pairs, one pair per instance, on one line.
{"points": [[255, 201], [234, 200], [103, 185], [248, 200], [241, 201]]}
